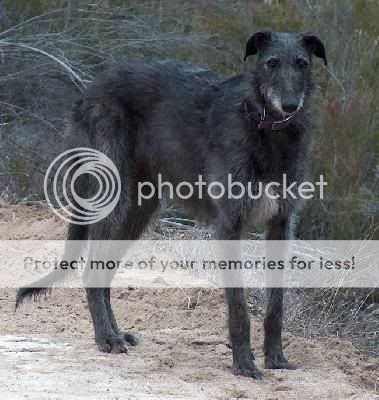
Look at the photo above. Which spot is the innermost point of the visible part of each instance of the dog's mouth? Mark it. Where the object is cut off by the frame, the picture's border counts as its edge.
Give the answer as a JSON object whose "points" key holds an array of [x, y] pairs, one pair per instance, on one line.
{"points": [[279, 114], [291, 113], [274, 100]]}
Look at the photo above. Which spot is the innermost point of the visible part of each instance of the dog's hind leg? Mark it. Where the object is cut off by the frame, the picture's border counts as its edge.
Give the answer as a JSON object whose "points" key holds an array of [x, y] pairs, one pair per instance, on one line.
{"points": [[131, 338], [122, 225], [97, 281], [106, 339]]}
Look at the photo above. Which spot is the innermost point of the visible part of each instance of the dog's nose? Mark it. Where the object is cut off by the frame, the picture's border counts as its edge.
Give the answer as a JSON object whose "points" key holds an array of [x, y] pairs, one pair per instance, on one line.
{"points": [[289, 107]]}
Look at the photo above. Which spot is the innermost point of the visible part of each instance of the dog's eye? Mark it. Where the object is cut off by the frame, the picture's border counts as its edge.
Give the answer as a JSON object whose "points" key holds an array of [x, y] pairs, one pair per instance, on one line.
{"points": [[273, 63], [301, 63]]}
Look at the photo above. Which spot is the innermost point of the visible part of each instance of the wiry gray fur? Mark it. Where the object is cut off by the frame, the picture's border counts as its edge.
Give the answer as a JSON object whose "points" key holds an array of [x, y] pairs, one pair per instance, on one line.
{"points": [[182, 121]]}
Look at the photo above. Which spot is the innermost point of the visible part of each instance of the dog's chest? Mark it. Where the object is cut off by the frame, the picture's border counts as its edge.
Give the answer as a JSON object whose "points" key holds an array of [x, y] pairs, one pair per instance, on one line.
{"points": [[265, 207]]}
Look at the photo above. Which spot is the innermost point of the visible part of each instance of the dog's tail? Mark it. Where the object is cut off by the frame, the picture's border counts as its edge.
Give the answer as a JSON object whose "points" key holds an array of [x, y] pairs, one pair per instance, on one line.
{"points": [[74, 247]]}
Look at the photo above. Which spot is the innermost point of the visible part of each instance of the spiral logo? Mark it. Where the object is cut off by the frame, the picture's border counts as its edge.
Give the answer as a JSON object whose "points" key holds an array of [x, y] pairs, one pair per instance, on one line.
{"points": [[82, 186]]}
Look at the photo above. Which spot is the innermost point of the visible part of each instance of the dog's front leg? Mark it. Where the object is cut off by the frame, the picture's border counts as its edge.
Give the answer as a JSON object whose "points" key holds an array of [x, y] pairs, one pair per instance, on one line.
{"points": [[239, 332], [279, 228], [239, 320]]}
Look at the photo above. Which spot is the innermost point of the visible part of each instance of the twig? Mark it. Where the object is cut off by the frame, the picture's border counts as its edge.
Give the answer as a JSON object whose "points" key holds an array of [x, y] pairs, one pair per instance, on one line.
{"points": [[52, 57]]}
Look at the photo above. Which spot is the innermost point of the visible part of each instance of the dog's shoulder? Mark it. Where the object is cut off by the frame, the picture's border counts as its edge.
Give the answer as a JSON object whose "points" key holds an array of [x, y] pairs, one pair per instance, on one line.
{"points": [[232, 94]]}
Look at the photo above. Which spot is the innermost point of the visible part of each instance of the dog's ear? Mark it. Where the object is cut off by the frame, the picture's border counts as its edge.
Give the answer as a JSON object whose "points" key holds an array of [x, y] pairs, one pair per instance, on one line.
{"points": [[315, 45], [256, 42]]}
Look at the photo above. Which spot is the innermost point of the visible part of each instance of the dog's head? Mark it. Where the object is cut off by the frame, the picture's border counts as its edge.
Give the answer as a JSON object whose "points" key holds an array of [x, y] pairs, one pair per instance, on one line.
{"points": [[283, 68]]}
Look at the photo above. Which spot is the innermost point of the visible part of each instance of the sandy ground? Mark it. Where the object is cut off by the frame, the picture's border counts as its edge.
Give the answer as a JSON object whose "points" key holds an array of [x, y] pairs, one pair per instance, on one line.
{"points": [[47, 349]]}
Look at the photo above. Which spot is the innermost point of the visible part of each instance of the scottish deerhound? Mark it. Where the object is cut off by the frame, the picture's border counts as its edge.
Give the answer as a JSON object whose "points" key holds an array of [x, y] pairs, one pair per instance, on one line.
{"points": [[182, 121]]}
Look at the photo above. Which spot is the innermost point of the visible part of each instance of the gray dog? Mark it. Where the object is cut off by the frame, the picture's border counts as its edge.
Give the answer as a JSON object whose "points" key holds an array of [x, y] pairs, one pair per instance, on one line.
{"points": [[182, 121]]}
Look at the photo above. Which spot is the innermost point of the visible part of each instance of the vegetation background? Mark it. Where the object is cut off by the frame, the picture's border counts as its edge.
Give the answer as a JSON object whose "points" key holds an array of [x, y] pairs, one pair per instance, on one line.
{"points": [[50, 50]]}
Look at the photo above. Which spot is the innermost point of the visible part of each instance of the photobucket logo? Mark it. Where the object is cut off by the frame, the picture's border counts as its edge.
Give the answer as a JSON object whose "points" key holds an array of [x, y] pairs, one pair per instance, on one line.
{"points": [[231, 189], [82, 186]]}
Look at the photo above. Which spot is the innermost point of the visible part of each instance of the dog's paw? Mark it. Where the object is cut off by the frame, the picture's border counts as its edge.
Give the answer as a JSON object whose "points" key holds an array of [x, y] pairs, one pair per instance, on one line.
{"points": [[278, 361], [111, 343], [250, 371], [244, 365], [131, 338]]}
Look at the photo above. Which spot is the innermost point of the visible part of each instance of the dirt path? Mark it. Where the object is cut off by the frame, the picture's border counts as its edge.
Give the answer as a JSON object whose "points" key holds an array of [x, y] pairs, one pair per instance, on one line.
{"points": [[47, 349]]}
